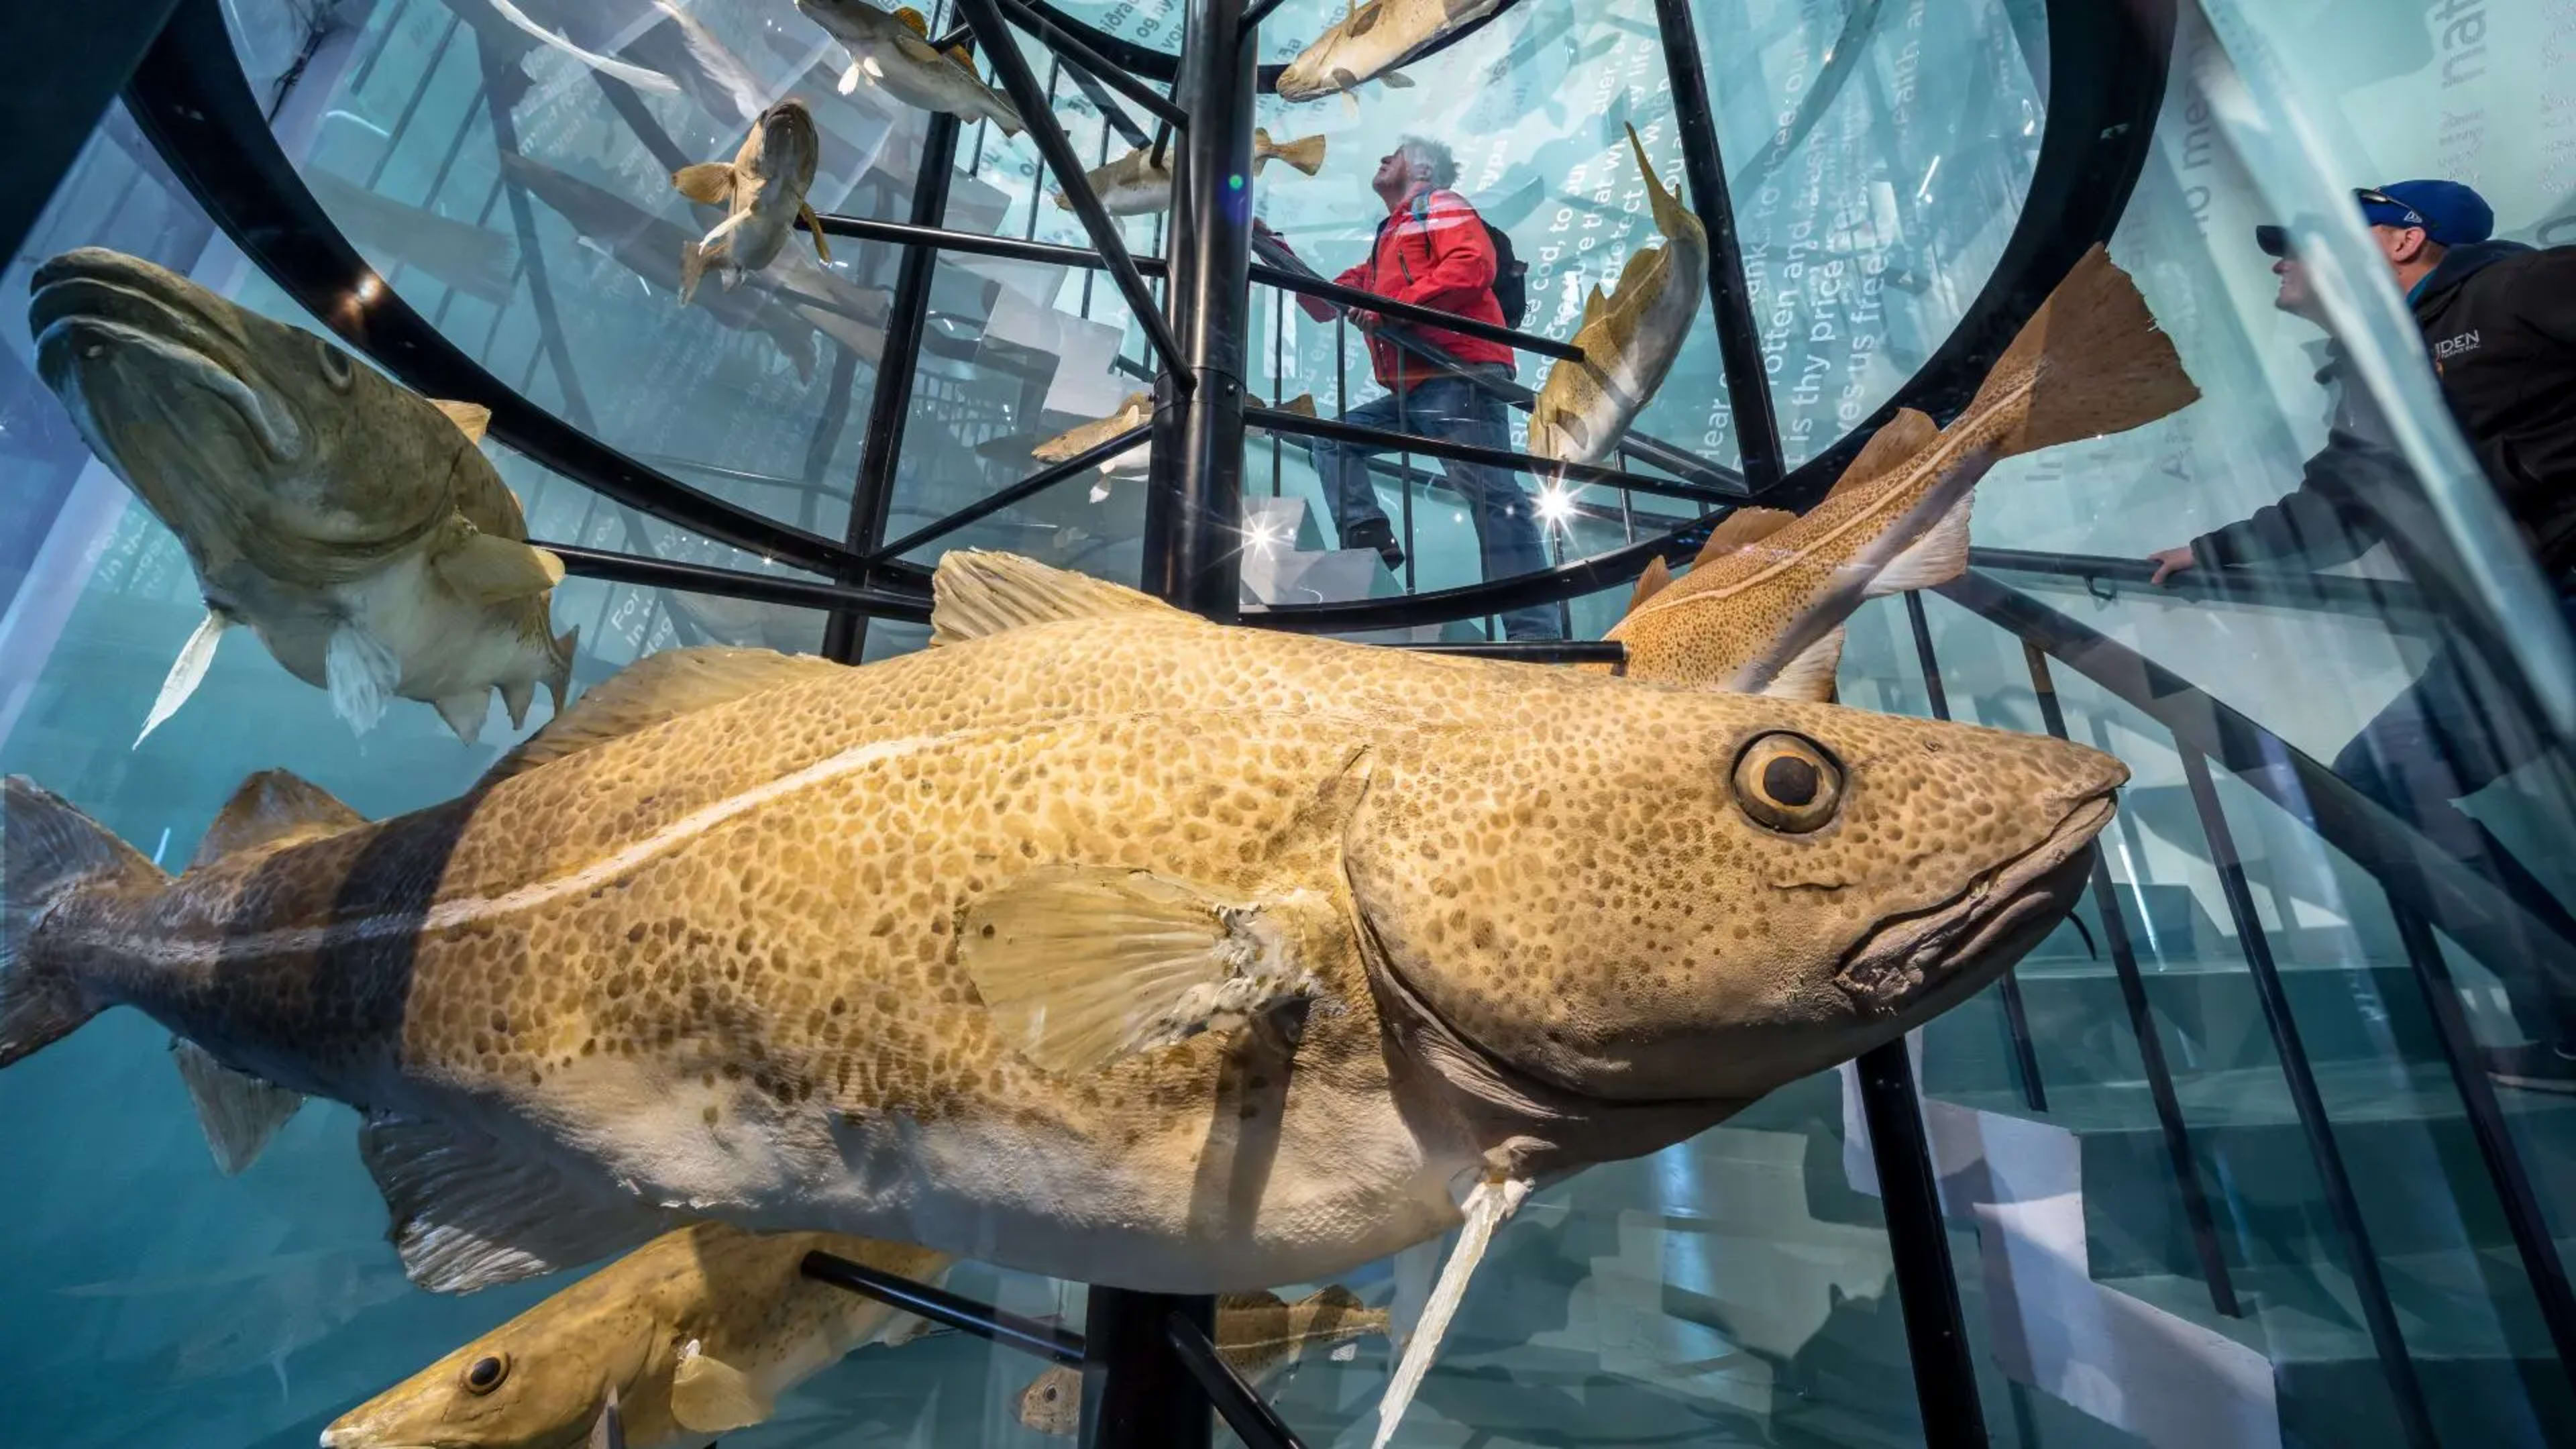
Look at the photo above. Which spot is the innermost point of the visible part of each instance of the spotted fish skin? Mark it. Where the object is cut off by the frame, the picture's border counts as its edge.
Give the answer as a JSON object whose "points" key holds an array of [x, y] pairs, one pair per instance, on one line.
{"points": [[1372, 40], [710, 966]]}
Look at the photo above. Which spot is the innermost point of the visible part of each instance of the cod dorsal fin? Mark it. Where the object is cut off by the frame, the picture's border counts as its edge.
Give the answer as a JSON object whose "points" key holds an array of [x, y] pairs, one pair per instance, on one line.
{"points": [[1593, 306], [470, 418], [489, 569], [469, 1212], [1650, 583], [1742, 527], [273, 808], [1906, 434], [656, 688], [912, 21], [976, 593]]}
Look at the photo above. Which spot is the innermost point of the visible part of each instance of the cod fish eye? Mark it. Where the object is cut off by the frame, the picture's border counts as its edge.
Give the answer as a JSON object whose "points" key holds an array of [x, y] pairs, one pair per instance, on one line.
{"points": [[1788, 783], [485, 1374], [337, 369]]}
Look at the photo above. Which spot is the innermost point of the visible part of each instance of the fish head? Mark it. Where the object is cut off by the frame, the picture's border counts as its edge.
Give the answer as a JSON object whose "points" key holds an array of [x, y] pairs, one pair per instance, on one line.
{"points": [[785, 145], [1635, 893], [1052, 1403], [536, 1382], [237, 430]]}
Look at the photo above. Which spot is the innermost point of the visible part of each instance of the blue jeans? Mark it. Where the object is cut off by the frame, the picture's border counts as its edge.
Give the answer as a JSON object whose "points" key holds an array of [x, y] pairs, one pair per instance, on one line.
{"points": [[1458, 411], [2449, 735]]}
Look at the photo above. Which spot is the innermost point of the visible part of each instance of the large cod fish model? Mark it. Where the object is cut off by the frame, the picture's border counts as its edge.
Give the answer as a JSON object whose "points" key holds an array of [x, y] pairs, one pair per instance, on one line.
{"points": [[1370, 41], [763, 192], [1098, 940], [697, 1333], [350, 523], [1140, 182], [1763, 607], [892, 51], [1629, 339]]}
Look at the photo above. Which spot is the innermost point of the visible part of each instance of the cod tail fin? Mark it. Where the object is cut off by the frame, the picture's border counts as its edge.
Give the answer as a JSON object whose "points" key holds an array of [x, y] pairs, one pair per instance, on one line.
{"points": [[1306, 154], [2090, 361], [1005, 115], [50, 852]]}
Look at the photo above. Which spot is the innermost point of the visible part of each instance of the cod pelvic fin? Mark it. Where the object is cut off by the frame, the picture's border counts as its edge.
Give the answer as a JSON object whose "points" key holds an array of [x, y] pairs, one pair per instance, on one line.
{"points": [[470, 1213], [710, 1396], [239, 1113], [187, 671]]}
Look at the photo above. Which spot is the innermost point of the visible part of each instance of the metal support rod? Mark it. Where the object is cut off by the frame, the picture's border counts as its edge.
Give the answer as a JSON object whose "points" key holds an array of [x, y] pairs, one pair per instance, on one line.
{"points": [[1136, 1391], [1253, 17], [2151, 1046], [663, 573], [943, 1307], [2378, 1313], [1036, 483], [1083, 57], [2016, 1016], [1342, 432], [1012, 69], [1739, 336], [1252, 1420], [2522, 1211], [1194, 496], [1270, 276], [1536, 651], [1936, 1332], [890, 399]]}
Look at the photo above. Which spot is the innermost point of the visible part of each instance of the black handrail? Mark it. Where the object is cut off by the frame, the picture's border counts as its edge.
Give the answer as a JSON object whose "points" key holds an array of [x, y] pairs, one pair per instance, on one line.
{"points": [[992, 503], [1312, 286], [2236, 584], [663, 573], [1335, 430]]}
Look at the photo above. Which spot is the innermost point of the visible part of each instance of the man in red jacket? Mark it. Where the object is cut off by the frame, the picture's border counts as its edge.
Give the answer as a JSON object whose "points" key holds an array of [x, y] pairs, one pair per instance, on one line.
{"points": [[1432, 251]]}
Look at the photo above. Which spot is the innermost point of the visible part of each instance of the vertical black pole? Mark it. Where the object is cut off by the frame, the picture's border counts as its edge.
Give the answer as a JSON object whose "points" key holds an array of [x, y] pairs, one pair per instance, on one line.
{"points": [[2369, 1285], [1739, 337], [1936, 1332], [845, 633], [1137, 1392], [61, 67], [1194, 502]]}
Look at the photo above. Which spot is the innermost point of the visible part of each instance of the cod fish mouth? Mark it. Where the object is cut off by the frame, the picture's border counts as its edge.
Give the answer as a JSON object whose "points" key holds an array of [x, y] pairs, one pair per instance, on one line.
{"points": [[1907, 956], [91, 321]]}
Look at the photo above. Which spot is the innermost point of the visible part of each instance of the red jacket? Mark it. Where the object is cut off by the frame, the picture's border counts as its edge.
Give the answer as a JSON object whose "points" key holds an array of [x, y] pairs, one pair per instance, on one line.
{"points": [[1432, 251]]}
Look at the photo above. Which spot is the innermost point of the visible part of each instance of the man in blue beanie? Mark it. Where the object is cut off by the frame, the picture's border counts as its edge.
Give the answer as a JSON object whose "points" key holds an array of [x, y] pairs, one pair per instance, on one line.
{"points": [[2499, 323]]}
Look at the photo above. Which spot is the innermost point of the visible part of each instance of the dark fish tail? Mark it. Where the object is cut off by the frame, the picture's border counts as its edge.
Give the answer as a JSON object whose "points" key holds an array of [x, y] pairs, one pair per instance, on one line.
{"points": [[50, 853]]}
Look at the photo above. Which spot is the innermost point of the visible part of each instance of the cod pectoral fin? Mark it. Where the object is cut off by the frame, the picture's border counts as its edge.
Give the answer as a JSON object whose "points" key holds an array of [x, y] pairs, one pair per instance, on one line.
{"points": [[975, 593], [361, 673], [468, 1213], [1082, 966], [489, 569], [240, 1113], [186, 672], [710, 1396], [814, 226], [708, 181], [1809, 675]]}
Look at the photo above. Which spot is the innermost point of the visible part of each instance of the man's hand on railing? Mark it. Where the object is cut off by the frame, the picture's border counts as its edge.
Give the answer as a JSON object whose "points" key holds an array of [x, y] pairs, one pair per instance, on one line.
{"points": [[2170, 562]]}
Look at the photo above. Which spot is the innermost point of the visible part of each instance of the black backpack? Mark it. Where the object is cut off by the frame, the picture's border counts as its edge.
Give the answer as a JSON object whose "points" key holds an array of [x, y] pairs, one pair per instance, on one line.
{"points": [[1511, 275]]}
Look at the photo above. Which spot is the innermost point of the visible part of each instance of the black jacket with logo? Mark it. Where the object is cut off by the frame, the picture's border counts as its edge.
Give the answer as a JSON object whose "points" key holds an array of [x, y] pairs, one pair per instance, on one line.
{"points": [[2500, 321]]}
